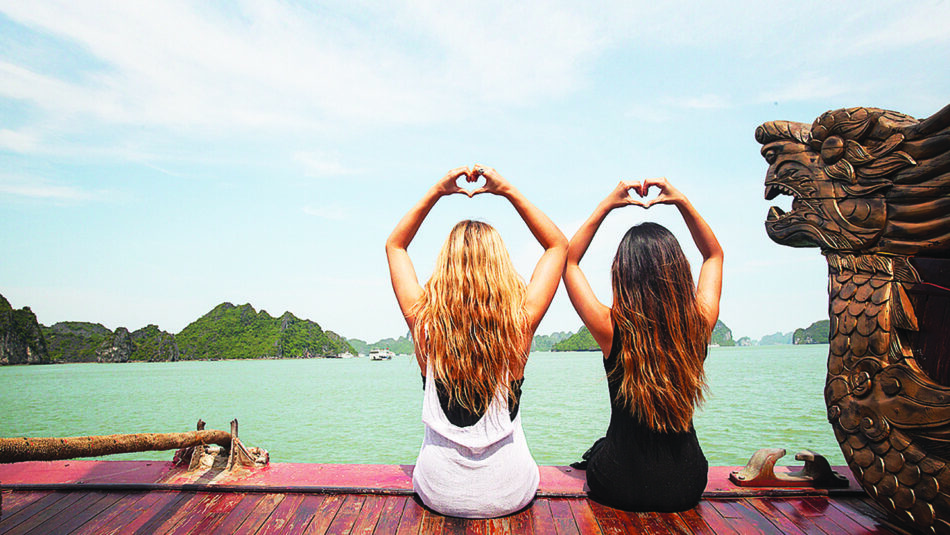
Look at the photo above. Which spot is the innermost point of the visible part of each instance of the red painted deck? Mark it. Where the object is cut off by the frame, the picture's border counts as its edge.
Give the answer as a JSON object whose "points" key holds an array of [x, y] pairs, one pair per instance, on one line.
{"points": [[153, 497]]}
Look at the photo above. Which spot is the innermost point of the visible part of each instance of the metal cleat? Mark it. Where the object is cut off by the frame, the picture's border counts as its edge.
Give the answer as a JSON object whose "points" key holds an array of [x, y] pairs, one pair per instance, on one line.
{"points": [[760, 471]]}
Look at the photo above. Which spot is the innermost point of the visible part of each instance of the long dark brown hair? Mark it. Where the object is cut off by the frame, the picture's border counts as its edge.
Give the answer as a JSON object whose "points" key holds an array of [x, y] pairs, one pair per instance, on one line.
{"points": [[659, 328]]}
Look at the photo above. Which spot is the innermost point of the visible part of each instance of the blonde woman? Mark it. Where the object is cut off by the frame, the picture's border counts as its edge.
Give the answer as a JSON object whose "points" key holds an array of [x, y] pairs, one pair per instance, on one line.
{"points": [[472, 325], [653, 340]]}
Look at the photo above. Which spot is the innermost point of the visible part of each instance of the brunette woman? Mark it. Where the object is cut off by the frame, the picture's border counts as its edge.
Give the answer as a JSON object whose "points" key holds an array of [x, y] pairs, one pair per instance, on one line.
{"points": [[472, 326], [653, 339]]}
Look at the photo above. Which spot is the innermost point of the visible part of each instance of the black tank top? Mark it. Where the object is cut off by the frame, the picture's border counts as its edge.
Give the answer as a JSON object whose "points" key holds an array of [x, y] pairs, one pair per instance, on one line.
{"points": [[461, 417], [637, 468]]}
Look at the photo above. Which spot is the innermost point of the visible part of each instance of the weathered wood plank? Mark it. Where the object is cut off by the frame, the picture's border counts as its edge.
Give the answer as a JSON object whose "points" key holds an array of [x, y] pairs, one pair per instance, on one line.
{"points": [[183, 513], [542, 523], [234, 518], [872, 519], [743, 517], [695, 523], [304, 514], [833, 520], [8, 522], [805, 507], [150, 519], [192, 509], [81, 512], [33, 518], [711, 516], [260, 513], [491, 526], [606, 518], [431, 522], [346, 516], [674, 523], [325, 514], [369, 515], [391, 515], [217, 512], [629, 522], [496, 526], [195, 511], [460, 526], [765, 506], [521, 522], [99, 522], [73, 516], [134, 514], [14, 501], [649, 522], [277, 522], [584, 517], [563, 517], [798, 517], [411, 518]]}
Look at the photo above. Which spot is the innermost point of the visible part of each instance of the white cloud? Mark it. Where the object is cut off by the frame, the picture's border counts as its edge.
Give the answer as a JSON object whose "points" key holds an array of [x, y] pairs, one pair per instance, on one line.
{"points": [[925, 22], [39, 188], [503, 52], [808, 86], [283, 66], [205, 69], [17, 141]]}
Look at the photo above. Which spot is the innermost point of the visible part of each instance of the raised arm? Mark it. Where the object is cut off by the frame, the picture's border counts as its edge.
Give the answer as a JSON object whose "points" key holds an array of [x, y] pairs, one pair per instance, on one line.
{"points": [[547, 273], [594, 314], [401, 271], [709, 287]]}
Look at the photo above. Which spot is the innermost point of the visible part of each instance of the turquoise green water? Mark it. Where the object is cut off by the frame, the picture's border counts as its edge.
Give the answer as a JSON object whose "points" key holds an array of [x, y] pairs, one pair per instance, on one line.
{"points": [[361, 411]]}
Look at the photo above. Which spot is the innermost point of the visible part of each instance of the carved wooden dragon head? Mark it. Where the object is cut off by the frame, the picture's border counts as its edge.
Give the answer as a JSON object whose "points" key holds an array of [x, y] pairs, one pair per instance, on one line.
{"points": [[864, 180]]}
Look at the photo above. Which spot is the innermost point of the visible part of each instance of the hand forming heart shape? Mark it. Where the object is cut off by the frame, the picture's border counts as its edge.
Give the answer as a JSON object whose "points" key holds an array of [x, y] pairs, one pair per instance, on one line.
{"points": [[667, 194], [473, 178], [635, 192]]}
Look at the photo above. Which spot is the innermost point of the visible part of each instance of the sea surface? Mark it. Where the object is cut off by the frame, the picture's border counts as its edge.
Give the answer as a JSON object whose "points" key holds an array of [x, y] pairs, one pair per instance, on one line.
{"points": [[362, 411]]}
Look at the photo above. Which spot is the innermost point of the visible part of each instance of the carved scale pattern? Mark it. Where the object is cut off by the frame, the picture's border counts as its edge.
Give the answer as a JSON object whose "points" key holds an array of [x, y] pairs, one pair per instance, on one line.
{"points": [[875, 391]]}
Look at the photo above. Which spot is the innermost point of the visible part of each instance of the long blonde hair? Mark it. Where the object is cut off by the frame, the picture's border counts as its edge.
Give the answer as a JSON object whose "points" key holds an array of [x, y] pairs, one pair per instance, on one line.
{"points": [[660, 330], [471, 321]]}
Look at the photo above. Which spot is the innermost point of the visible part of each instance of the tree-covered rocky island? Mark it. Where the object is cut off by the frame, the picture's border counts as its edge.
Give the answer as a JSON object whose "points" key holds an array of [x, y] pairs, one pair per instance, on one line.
{"points": [[226, 332], [816, 333], [21, 341], [241, 332], [584, 341], [234, 332], [403, 344], [400, 346]]}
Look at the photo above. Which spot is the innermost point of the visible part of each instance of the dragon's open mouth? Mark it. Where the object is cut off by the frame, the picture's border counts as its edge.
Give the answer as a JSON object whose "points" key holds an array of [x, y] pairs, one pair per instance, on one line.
{"points": [[775, 189]]}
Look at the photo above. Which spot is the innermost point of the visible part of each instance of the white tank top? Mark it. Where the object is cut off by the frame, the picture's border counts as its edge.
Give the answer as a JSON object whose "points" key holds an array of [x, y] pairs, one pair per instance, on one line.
{"points": [[481, 471]]}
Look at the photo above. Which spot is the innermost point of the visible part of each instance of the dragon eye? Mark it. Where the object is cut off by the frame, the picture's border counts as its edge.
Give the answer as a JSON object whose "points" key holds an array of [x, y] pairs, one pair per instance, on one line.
{"points": [[770, 156]]}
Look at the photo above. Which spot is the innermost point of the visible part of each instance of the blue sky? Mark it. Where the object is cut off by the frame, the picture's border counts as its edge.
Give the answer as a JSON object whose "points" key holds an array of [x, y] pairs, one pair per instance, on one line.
{"points": [[157, 159]]}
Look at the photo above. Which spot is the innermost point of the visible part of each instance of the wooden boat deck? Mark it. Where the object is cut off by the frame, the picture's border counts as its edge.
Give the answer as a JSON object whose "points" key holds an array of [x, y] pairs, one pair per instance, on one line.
{"points": [[95, 497]]}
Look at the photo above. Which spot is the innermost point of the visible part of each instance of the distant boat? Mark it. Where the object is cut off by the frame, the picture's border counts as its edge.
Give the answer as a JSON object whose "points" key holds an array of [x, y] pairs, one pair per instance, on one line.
{"points": [[381, 354]]}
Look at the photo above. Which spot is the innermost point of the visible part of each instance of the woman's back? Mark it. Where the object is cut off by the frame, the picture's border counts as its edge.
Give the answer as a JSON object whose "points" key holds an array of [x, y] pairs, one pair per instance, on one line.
{"points": [[475, 471], [637, 468], [653, 339], [472, 325]]}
